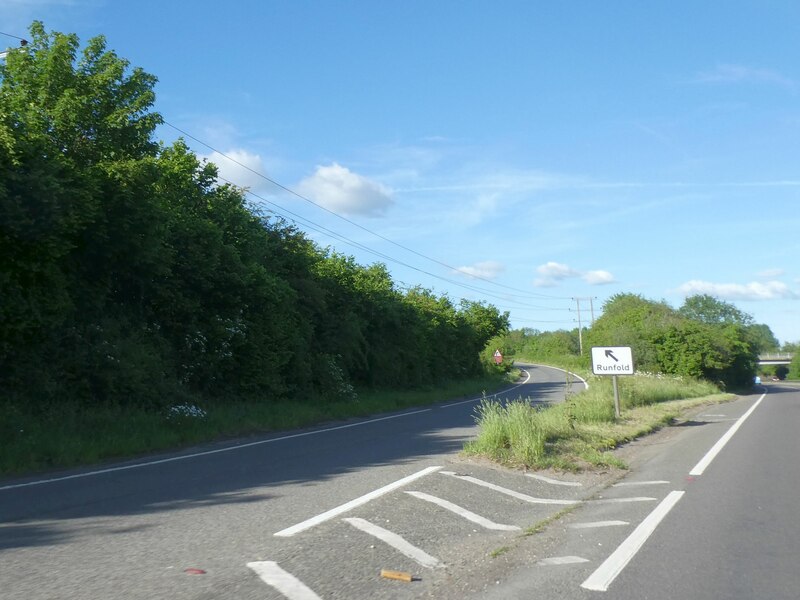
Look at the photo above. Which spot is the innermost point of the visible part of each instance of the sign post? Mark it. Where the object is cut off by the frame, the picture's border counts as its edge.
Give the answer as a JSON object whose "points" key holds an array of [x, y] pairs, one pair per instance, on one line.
{"points": [[614, 361]]}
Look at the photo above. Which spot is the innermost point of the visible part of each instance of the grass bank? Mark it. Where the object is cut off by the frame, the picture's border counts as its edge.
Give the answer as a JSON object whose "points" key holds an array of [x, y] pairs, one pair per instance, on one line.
{"points": [[69, 435], [582, 431]]}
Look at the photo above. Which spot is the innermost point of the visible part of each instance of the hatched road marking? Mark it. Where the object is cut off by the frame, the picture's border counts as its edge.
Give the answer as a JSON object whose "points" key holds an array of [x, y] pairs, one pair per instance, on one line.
{"points": [[286, 583], [335, 512], [512, 493], [594, 524], [553, 481], [396, 542], [463, 512]]}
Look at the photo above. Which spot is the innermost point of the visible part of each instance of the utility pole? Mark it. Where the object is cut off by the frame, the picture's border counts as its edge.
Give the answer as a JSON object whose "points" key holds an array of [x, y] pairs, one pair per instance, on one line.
{"points": [[580, 327]]}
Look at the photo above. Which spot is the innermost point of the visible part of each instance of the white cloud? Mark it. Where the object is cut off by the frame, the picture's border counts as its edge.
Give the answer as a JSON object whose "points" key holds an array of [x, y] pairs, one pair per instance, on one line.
{"points": [[552, 273], [487, 269], [241, 168], [598, 278], [770, 290], [771, 273], [338, 189], [728, 73]]}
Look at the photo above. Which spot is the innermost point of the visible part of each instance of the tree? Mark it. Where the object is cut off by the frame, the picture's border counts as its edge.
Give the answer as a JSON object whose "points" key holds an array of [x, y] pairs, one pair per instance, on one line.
{"points": [[707, 309]]}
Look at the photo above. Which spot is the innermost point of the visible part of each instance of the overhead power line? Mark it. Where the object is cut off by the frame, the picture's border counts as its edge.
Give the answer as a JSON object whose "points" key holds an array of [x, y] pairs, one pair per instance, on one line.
{"points": [[359, 226], [309, 224]]}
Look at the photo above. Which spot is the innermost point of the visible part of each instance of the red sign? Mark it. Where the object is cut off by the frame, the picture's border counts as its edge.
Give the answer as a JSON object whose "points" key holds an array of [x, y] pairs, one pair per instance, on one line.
{"points": [[498, 358]]}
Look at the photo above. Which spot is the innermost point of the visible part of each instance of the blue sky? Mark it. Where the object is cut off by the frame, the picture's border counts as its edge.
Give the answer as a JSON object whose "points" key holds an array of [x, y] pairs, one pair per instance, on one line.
{"points": [[555, 150]]}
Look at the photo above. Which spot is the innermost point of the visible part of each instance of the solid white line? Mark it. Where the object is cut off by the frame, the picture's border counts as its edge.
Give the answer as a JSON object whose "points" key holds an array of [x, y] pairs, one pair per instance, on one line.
{"points": [[505, 391], [508, 492], [614, 564], [286, 583], [700, 467], [561, 560], [335, 512], [594, 524], [553, 481], [396, 542], [582, 380], [635, 483], [463, 512], [206, 452]]}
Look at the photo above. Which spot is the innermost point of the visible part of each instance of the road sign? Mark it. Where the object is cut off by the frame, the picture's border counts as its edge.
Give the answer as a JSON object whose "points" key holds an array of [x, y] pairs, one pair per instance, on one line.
{"points": [[612, 360], [498, 357]]}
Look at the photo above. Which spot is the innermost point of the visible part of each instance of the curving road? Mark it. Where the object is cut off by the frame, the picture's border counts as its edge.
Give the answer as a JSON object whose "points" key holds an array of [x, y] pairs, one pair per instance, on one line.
{"points": [[216, 521]]}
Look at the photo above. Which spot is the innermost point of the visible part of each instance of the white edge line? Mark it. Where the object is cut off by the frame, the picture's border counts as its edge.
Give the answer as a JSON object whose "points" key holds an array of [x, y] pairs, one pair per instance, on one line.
{"points": [[287, 584], [463, 512], [700, 467], [605, 574], [206, 452], [334, 512], [397, 542], [476, 398], [582, 380]]}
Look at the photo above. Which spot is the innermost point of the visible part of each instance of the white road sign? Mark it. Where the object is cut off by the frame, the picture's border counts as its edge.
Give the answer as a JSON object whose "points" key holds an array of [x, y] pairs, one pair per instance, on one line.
{"points": [[612, 360]]}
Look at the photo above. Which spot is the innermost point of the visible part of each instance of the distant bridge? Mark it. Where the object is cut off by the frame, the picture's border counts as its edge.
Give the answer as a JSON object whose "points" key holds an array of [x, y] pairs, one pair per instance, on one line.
{"points": [[779, 358]]}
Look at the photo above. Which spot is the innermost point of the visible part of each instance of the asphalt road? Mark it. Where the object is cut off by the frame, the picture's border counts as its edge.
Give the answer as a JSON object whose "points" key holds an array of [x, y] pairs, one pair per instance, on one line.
{"points": [[217, 521], [722, 522]]}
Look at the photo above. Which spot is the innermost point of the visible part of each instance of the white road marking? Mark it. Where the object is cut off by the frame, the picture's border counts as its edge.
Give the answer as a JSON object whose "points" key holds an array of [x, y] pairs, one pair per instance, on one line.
{"points": [[614, 564], [463, 512], [636, 483], [594, 524], [561, 560], [335, 512], [553, 481], [511, 493], [622, 500], [513, 387], [206, 452], [396, 542], [286, 583], [700, 467]]}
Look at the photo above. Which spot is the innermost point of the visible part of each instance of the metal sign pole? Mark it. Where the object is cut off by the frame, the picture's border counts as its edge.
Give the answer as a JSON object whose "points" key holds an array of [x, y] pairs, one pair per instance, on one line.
{"points": [[616, 395]]}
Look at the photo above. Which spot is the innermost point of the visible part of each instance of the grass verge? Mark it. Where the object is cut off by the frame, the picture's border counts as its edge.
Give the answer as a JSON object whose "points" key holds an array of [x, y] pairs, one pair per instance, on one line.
{"points": [[582, 431], [70, 435]]}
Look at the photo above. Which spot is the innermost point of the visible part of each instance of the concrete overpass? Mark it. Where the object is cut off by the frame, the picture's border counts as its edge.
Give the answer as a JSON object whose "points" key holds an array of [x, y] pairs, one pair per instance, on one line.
{"points": [[776, 358]]}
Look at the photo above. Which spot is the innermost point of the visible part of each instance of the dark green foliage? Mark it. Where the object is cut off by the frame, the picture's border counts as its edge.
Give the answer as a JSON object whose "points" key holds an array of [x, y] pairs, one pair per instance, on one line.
{"points": [[129, 276]]}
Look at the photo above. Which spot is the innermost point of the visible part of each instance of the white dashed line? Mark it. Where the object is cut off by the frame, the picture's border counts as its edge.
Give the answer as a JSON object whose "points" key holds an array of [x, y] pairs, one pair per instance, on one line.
{"points": [[335, 512], [553, 481], [594, 524], [561, 560], [512, 493], [286, 583], [463, 512], [613, 565], [396, 542]]}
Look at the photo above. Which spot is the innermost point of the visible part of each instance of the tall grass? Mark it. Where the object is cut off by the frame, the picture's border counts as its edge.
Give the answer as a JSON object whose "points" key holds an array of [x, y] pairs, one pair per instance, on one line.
{"points": [[584, 428], [65, 435]]}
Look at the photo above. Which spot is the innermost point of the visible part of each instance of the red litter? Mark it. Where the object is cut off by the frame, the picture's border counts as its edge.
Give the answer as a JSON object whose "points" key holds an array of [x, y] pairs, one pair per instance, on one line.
{"points": [[194, 572]]}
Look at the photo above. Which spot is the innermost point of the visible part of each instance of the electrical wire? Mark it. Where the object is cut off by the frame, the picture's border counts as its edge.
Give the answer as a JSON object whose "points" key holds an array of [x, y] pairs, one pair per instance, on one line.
{"points": [[353, 223], [307, 223]]}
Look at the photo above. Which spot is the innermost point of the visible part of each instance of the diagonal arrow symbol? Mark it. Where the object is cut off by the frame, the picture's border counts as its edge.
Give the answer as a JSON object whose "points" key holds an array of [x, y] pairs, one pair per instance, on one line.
{"points": [[610, 354]]}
